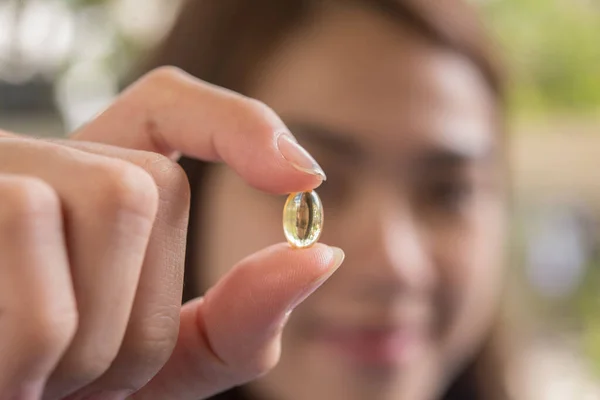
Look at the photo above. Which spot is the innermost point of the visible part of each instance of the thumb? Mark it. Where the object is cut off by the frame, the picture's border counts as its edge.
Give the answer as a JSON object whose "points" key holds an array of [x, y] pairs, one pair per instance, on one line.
{"points": [[232, 335]]}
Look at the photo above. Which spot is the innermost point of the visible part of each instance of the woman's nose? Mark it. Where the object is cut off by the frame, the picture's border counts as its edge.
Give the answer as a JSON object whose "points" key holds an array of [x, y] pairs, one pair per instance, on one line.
{"points": [[384, 242]]}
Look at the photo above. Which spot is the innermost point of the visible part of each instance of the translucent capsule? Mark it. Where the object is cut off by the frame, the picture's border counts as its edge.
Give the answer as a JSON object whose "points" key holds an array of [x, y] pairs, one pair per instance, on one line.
{"points": [[302, 219]]}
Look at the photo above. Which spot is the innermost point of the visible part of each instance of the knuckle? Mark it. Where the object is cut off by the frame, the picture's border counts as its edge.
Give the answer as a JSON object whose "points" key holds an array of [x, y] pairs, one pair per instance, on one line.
{"points": [[168, 175], [161, 84], [27, 198], [258, 108], [88, 363], [28, 194], [259, 115], [122, 186], [144, 351], [154, 342], [50, 326], [166, 73]]}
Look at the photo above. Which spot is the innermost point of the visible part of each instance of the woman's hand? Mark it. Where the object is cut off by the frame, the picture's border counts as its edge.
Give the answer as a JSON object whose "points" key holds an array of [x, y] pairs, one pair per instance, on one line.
{"points": [[92, 244]]}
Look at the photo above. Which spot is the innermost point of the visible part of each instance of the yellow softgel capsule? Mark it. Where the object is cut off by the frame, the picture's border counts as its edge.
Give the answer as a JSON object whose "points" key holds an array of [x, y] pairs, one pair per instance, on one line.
{"points": [[302, 219]]}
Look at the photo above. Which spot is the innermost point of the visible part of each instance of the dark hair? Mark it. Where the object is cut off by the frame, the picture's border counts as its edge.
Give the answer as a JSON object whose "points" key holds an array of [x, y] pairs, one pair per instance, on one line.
{"points": [[225, 41]]}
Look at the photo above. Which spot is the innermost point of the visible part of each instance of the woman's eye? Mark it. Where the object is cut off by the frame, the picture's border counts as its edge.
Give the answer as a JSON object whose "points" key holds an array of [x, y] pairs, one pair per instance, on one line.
{"points": [[449, 196]]}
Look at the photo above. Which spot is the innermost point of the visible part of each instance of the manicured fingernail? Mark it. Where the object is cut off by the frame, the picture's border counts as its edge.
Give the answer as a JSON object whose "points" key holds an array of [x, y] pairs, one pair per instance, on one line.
{"points": [[298, 156], [338, 259]]}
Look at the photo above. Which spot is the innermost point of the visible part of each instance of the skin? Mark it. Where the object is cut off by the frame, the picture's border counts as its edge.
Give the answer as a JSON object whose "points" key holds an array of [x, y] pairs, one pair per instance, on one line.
{"points": [[407, 134], [93, 235]]}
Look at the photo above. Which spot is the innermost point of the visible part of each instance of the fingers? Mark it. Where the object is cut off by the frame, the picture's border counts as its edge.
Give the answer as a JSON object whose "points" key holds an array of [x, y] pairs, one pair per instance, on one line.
{"points": [[169, 112], [38, 315], [232, 335], [109, 208], [154, 321], [118, 217]]}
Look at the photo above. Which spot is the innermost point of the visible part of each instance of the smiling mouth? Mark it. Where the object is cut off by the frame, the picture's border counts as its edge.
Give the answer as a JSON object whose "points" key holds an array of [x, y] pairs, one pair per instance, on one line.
{"points": [[395, 346]]}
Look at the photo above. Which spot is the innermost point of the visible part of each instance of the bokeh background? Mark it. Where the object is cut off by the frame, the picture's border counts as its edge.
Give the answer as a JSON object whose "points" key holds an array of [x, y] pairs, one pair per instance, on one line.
{"points": [[62, 61]]}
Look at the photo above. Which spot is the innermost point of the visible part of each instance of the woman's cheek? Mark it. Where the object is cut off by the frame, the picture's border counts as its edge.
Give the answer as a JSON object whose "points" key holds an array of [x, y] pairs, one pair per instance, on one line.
{"points": [[472, 265]]}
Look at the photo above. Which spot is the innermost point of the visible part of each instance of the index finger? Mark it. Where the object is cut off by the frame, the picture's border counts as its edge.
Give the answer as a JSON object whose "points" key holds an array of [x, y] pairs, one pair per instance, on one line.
{"points": [[170, 112]]}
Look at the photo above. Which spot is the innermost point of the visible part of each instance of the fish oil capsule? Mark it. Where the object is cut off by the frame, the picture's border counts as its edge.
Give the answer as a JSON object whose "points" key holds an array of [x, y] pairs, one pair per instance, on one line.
{"points": [[302, 219]]}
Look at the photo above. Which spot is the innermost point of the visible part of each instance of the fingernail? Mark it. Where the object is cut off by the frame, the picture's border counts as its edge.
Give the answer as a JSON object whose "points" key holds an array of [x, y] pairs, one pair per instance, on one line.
{"points": [[298, 156], [338, 259]]}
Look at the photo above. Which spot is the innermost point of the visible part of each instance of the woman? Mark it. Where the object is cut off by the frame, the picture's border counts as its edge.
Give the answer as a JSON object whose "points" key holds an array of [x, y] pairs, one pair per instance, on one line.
{"points": [[400, 103]]}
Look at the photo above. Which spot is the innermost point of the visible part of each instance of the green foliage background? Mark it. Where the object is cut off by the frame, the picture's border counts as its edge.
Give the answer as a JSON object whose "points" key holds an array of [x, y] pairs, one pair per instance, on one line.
{"points": [[552, 48]]}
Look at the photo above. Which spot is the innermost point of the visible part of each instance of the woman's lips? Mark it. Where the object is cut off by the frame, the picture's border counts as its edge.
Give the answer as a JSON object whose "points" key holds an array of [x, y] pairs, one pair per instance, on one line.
{"points": [[375, 346]]}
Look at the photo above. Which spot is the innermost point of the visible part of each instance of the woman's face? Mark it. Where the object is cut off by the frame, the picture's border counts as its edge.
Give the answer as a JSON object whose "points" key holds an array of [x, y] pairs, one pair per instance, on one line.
{"points": [[406, 133]]}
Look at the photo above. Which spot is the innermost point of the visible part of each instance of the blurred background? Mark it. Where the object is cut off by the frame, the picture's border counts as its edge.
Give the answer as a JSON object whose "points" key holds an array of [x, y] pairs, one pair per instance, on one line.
{"points": [[62, 61]]}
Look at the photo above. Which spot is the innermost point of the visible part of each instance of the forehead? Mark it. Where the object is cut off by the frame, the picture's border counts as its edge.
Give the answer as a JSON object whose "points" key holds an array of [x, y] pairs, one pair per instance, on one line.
{"points": [[356, 71]]}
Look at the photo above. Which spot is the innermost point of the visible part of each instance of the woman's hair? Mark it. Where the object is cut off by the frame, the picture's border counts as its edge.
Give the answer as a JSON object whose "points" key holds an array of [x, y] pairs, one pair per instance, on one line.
{"points": [[225, 42]]}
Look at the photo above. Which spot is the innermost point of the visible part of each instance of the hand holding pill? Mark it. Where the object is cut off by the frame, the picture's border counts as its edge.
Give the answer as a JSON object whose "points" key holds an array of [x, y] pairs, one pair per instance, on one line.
{"points": [[92, 272]]}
